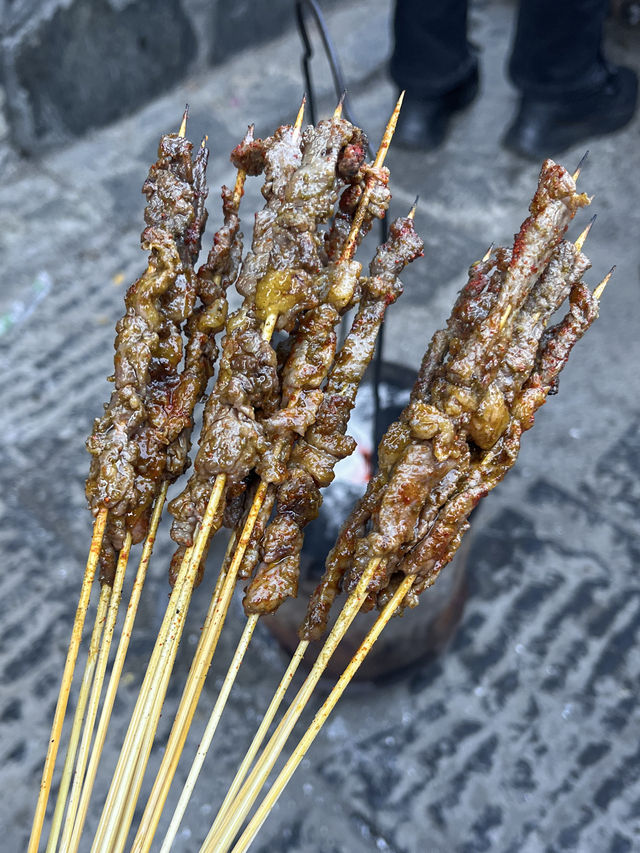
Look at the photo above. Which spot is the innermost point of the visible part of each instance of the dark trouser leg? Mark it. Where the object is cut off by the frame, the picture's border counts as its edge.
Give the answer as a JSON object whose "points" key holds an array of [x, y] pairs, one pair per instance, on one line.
{"points": [[569, 92], [432, 55], [557, 50]]}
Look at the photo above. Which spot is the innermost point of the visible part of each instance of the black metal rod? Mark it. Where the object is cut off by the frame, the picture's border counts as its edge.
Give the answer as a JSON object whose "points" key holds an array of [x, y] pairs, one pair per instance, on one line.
{"points": [[378, 360], [312, 7]]}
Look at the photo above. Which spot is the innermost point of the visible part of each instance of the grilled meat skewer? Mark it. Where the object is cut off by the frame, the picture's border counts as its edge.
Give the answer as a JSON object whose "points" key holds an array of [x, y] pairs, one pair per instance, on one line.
{"points": [[128, 448], [280, 276], [423, 456], [324, 443]]}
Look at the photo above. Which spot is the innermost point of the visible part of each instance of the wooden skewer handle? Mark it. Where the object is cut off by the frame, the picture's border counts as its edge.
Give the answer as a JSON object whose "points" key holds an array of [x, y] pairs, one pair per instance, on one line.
{"points": [[67, 677], [320, 718], [256, 743], [96, 691], [161, 657], [258, 776], [116, 672], [78, 719], [209, 732]]}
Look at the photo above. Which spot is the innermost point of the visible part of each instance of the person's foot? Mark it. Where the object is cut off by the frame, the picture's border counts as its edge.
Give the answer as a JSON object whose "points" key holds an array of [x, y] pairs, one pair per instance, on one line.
{"points": [[423, 123], [544, 128]]}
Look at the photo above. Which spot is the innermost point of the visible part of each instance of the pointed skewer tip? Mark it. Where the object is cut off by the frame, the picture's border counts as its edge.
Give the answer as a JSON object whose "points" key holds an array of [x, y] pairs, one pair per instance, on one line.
{"points": [[487, 254], [583, 236], [414, 207], [388, 132], [600, 288], [576, 174], [300, 116], [337, 113], [183, 125]]}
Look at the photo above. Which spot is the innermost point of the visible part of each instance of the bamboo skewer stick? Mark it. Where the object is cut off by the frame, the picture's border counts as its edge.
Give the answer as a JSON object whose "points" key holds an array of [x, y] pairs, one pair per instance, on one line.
{"points": [[128, 812], [129, 753], [168, 636], [195, 682], [350, 243], [321, 717], [67, 677], [297, 125], [152, 693], [583, 159], [78, 718], [260, 735], [172, 754], [183, 123], [209, 732], [210, 619], [599, 290], [116, 672], [96, 690], [148, 721], [211, 632], [143, 758], [105, 648], [579, 243], [305, 742], [126, 816], [200, 666], [258, 776], [238, 187]]}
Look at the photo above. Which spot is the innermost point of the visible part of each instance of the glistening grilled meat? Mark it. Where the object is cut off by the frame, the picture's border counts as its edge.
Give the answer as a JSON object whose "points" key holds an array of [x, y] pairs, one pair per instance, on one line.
{"points": [[324, 443], [462, 395], [283, 274], [129, 443], [436, 549]]}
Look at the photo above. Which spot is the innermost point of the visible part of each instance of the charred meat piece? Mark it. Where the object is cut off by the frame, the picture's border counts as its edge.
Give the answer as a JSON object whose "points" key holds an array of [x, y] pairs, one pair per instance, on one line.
{"points": [[462, 402], [377, 207], [280, 155], [289, 280], [472, 305], [470, 368], [433, 552], [282, 274], [325, 443], [232, 437], [129, 442]]}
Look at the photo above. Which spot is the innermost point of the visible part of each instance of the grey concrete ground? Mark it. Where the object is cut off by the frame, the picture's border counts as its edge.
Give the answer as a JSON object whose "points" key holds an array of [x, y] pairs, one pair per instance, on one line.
{"points": [[523, 735]]}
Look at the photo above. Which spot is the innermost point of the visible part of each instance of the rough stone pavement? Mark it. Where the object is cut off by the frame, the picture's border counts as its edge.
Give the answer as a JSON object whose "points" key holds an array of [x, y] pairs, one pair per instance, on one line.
{"points": [[524, 734]]}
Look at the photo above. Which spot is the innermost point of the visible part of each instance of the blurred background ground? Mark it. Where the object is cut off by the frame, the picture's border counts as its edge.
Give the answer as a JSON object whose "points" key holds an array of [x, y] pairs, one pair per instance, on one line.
{"points": [[523, 735]]}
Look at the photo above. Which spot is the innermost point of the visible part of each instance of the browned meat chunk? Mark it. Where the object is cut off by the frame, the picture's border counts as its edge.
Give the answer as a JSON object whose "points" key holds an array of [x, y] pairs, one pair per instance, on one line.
{"points": [[436, 462]]}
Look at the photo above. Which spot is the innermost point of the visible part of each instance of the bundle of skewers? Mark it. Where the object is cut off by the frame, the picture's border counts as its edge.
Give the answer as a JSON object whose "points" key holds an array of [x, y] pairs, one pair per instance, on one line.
{"points": [[274, 426]]}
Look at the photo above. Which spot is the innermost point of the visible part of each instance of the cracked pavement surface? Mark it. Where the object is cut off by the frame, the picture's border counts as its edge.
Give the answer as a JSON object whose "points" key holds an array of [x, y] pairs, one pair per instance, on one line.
{"points": [[523, 734]]}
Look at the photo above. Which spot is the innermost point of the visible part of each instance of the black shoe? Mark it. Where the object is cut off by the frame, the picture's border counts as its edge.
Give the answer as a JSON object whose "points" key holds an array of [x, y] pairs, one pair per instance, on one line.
{"points": [[544, 128], [423, 123]]}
